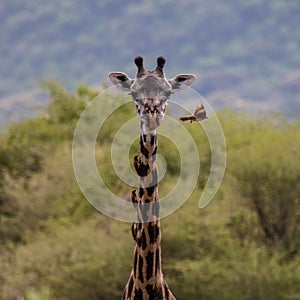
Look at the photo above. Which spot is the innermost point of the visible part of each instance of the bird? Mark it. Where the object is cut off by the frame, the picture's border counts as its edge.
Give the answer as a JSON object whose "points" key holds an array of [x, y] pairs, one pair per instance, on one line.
{"points": [[199, 114]]}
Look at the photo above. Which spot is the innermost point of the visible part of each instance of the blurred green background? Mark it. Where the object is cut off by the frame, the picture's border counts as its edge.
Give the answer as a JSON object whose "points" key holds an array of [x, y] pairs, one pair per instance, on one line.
{"points": [[244, 244]]}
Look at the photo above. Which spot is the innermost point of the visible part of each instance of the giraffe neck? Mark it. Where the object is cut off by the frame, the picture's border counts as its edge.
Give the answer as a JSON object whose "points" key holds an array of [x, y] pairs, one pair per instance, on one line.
{"points": [[147, 232], [146, 280]]}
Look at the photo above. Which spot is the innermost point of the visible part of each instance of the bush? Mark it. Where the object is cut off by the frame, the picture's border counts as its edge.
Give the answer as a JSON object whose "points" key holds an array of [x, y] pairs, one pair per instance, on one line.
{"points": [[267, 171], [71, 262], [54, 245]]}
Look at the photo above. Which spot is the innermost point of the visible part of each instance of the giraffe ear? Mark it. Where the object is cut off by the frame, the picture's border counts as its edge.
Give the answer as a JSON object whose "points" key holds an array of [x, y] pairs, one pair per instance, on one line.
{"points": [[121, 80], [181, 82]]}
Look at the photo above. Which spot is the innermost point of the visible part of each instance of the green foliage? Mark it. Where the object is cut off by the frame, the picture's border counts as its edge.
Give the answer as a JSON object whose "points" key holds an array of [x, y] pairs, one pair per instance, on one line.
{"points": [[32, 294], [55, 245], [65, 108], [23, 147], [21, 153], [268, 171], [72, 262]]}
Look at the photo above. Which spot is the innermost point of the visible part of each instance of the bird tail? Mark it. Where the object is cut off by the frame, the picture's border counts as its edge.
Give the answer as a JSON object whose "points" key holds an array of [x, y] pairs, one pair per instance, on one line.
{"points": [[188, 118]]}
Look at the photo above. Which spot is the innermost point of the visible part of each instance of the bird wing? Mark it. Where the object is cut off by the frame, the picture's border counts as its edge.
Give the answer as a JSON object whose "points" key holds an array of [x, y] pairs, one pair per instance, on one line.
{"points": [[199, 107]]}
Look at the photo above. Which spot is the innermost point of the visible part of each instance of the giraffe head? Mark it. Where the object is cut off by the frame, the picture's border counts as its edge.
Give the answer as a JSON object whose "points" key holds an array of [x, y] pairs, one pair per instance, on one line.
{"points": [[150, 90]]}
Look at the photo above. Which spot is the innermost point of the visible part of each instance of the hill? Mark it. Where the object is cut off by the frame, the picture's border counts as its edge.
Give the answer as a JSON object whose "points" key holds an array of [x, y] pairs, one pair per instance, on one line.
{"points": [[245, 53]]}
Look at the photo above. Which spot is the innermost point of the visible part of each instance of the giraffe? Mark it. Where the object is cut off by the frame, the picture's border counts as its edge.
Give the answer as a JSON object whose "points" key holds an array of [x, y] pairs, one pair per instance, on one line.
{"points": [[150, 91]]}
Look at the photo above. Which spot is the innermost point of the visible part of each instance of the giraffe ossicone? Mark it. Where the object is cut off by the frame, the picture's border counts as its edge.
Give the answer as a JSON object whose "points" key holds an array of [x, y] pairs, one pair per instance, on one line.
{"points": [[150, 90]]}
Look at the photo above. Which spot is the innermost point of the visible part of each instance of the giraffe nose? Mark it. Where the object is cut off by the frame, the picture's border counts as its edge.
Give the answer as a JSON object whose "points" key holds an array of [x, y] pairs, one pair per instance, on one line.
{"points": [[151, 111], [154, 110]]}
